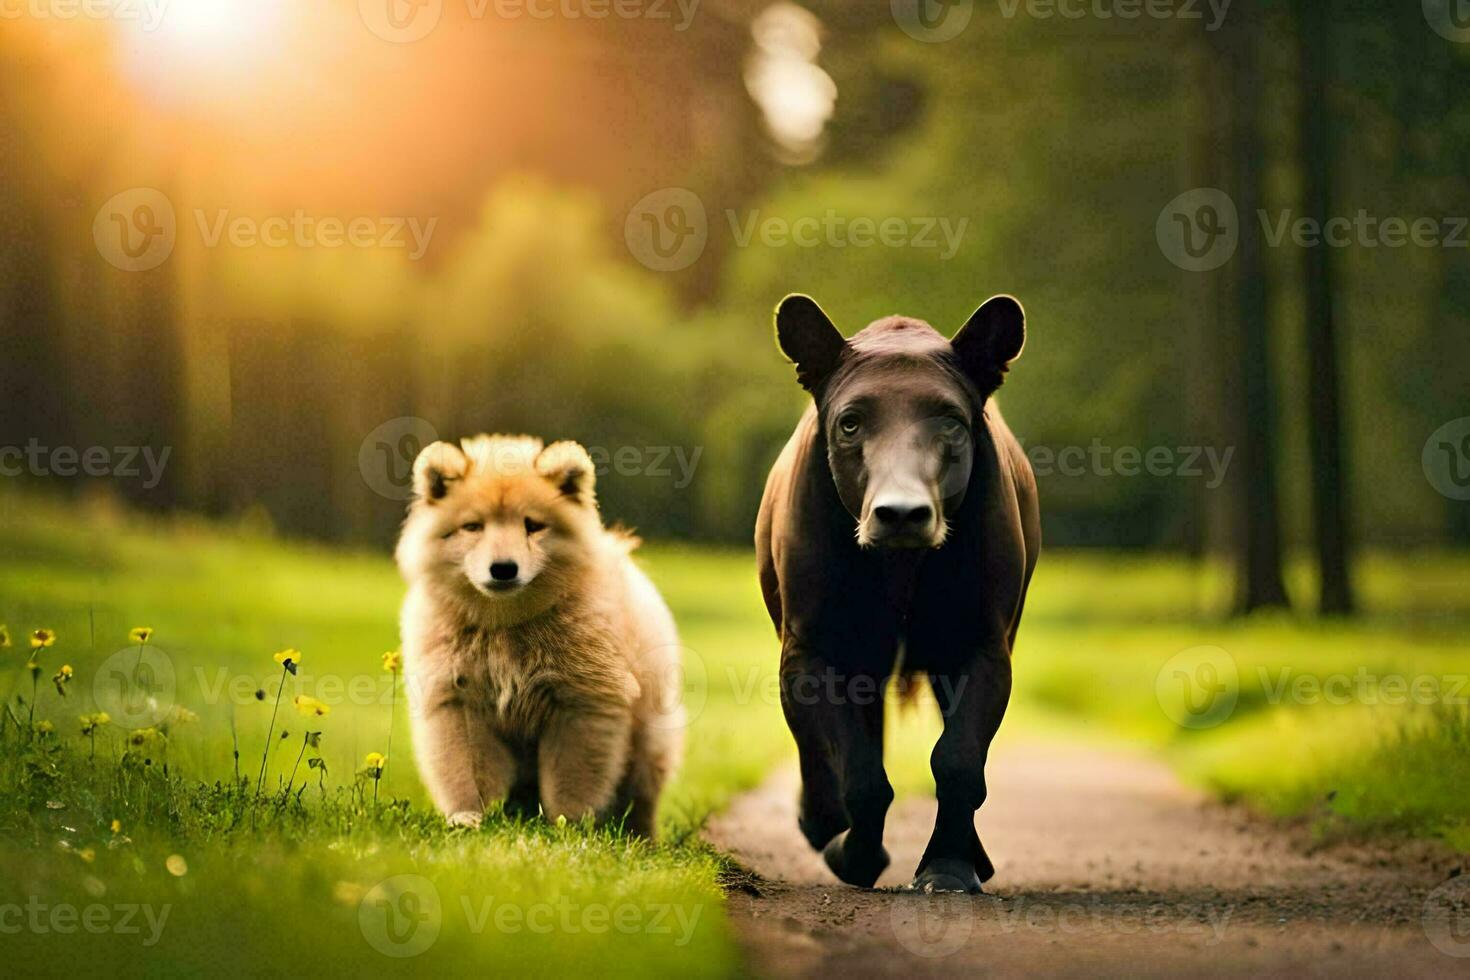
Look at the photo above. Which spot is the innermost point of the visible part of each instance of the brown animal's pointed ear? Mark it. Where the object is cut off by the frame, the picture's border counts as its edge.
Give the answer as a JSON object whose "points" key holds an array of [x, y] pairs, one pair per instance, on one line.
{"points": [[808, 338], [990, 340], [435, 468], [568, 466]]}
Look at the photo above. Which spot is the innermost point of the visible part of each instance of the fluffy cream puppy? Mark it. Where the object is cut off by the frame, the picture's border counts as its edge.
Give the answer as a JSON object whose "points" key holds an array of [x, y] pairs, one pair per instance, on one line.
{"points": [[542, 666]]}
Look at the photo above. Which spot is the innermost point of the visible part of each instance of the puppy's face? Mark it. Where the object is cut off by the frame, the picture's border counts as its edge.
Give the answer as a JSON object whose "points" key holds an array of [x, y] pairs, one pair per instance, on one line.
{"points": [[500, 520]]}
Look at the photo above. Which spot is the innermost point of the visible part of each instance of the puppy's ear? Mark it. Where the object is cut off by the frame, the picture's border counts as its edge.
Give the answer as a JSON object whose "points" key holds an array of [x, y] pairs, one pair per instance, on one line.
{"points": [[808, 339], [990, 340], [569, 468], [438, 466]]}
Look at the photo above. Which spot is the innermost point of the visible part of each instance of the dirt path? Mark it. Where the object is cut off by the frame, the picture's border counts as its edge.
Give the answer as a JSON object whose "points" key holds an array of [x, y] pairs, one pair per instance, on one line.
{"points": [[1106, 866]]}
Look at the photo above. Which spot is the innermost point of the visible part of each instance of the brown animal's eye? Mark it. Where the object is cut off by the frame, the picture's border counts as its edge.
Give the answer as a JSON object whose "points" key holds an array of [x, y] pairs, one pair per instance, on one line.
{"points": [[849, 425], [533, 526], [472, 527]]}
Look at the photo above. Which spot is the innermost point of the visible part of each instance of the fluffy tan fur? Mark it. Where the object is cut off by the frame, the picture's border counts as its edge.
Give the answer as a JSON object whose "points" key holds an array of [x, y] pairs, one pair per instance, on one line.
{"points": [[565, 681]]}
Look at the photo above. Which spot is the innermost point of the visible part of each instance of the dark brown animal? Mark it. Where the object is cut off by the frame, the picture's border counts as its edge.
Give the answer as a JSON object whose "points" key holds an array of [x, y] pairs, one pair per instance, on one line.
{"points": [[897, 536]]}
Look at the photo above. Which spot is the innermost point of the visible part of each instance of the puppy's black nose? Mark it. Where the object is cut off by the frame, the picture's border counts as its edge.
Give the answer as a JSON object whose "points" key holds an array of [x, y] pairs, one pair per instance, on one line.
{"points": [[900, 515], [503, 571]]}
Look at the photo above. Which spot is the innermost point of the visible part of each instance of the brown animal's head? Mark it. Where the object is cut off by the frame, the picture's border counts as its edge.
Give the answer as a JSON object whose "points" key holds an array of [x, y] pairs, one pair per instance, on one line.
{"points": [[500, 519], [899, 407]]}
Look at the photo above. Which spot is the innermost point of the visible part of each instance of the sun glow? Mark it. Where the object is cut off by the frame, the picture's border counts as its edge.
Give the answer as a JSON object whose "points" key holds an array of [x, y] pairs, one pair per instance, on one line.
{"points": [[175, 47]]}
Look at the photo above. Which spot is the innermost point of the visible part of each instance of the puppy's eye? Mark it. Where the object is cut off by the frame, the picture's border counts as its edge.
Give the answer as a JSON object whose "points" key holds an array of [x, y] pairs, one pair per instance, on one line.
{"points": [[533, 526], [474, 527], [849, 425]]}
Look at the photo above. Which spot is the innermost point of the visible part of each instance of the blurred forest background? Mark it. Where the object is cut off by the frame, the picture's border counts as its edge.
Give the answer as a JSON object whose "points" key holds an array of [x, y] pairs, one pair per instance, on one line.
{"points": [[530, 141]]}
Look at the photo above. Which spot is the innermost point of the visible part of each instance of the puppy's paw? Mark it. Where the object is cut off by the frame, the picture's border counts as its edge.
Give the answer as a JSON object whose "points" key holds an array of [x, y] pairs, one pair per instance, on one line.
{"points": [[466, 818]]}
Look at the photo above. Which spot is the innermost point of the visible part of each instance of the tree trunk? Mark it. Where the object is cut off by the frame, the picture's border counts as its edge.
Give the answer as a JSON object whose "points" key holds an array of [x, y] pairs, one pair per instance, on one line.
{"points": [[1259, 582], [1324, 417]]}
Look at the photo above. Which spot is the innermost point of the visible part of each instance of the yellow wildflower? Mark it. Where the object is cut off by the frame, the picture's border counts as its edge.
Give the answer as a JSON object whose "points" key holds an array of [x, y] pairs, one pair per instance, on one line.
{"points": [[42, 638], [140, 634], [117, 826], [61, 678], [375, 762], [308, 705], [393, 661], [288, 659], [44, 728]]}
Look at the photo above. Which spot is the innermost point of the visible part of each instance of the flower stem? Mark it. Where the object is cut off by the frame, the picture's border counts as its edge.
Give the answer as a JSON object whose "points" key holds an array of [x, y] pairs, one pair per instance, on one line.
{"points": [[265, 756], [392, 715], [292, 781]]}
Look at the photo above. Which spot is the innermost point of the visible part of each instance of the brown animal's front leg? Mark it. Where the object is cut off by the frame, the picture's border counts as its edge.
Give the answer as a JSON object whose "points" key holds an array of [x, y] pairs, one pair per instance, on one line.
{"points": [[463, 763], [837, 719], [582, 757], [973, 701]]}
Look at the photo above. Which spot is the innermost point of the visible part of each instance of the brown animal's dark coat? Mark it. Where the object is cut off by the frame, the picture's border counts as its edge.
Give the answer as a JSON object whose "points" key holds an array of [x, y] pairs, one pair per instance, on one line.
{"points": [[844, 611]]}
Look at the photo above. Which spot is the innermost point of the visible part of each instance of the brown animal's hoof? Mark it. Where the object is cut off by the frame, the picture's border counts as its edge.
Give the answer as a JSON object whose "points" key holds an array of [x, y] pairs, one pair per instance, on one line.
{"points": [[947, 875], [818, 833], [860, 870]]}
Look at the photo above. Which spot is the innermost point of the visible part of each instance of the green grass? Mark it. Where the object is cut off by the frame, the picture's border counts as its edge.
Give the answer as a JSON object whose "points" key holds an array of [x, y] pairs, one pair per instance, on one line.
{"points": [[290, 885], [1359, 727], [283, 887]]}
